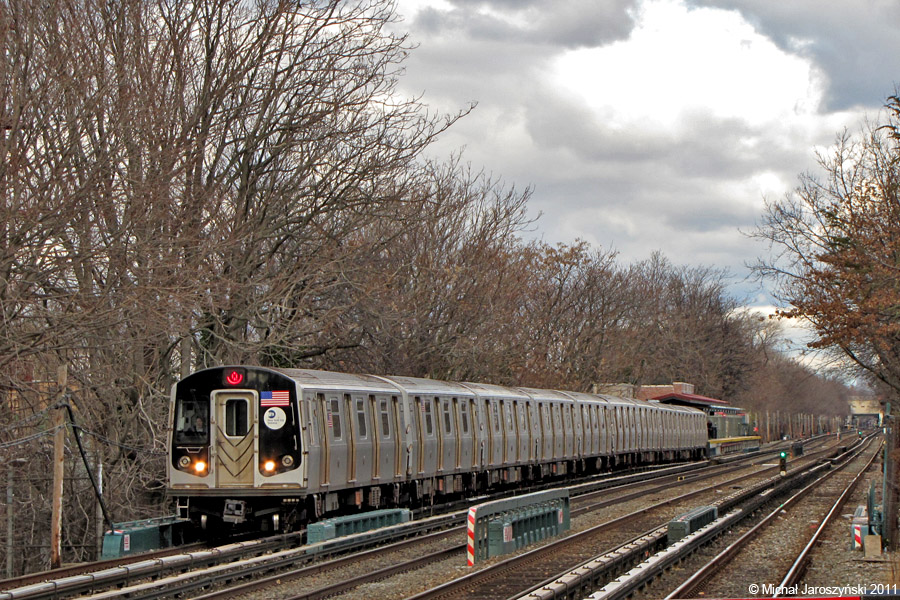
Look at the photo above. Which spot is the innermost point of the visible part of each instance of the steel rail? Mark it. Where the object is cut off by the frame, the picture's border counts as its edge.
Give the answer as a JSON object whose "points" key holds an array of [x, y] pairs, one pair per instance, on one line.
{"points": [[186, 582], [800, 564], [150, 565], [555, 547], [691, 585]]}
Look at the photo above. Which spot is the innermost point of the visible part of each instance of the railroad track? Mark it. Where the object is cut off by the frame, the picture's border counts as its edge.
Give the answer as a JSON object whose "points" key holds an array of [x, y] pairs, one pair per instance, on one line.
{"points": [[260, 562], [655, 575], [786, 560], [520, 573], [336, 576]]}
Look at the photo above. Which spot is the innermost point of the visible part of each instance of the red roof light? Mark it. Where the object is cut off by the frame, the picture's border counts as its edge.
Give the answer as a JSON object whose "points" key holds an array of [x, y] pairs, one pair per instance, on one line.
{"points": [[234, 377]]}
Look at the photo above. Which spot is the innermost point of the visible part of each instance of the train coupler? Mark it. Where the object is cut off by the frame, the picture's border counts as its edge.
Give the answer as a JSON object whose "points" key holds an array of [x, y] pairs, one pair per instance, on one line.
{"points": [[235, 512]]}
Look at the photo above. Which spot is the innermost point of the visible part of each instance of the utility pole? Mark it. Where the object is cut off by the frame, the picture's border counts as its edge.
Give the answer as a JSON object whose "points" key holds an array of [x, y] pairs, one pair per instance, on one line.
{"points": [[10, 516], [59, 445]]}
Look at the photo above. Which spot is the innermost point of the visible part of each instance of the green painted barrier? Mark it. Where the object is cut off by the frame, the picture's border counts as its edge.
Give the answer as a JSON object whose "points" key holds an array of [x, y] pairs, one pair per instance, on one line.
{"points": [[504, 526], [690, 522], [335, 527], [134, 537]]}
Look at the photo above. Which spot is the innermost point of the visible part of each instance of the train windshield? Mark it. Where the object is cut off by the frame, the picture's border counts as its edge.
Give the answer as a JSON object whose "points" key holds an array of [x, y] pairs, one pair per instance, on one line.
{"points": [[191, 422]]}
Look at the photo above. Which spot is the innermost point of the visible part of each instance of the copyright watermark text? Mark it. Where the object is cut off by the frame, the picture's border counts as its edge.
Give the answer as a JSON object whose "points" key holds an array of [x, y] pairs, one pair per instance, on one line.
{"points": [[770, 589]]}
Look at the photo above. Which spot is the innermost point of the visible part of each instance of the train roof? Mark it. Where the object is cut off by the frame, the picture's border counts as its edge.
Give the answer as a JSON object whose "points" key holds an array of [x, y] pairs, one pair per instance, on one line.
{"points": [[539, 394], [337, 380], [584, 397], [324, 380], [490, 390], [419, 385]]}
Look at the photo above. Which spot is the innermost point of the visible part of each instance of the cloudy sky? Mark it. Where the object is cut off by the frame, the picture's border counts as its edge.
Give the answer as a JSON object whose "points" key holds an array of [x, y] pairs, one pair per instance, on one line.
{"points": [[652, 124]]}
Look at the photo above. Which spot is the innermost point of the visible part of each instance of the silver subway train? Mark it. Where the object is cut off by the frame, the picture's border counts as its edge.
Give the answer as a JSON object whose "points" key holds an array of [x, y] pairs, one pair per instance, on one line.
{"points": [[271, 449]]}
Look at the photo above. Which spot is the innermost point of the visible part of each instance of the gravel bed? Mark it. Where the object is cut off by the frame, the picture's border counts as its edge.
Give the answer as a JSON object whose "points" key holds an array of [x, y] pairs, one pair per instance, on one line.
{"points": [[835, 563], [766, 559], [376, 561], [413, 582], [761, 561]]}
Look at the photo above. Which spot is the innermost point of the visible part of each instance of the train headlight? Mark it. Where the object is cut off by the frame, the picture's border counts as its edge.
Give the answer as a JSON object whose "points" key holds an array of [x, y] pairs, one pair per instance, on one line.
{"points": [[269, 466], [184, 462], [287, 460], [200, 467]]}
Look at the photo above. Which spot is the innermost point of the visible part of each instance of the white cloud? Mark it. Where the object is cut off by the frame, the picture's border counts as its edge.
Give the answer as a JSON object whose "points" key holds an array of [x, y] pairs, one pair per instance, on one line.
{"points": [[680, 61], [664, 131]]}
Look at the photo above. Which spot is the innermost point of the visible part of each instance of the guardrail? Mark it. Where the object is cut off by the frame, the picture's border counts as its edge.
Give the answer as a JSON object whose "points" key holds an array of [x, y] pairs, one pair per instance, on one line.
{"points": [[134, 537], [340, 526], [504, 526]]}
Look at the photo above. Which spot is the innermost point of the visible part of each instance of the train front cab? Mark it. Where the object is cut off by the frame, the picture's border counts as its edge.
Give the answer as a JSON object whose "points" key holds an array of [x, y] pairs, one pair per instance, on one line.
{"points": [[234, 435]]}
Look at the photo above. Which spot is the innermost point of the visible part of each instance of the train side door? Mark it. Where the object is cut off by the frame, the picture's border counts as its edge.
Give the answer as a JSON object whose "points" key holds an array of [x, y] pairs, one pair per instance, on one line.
{"points": [[505, 433], [568, 430], [234, 426], [520, 413], [497, 437], [378, 426], [427, 435], [324, 446], [512, 438], [418, 409], [446, 451], [464, 443], [558, 431], [534, 448], [351, 440], [477, 436], [401, 453], [387, 436], [336, 440], [546, 432], [488, 423]]}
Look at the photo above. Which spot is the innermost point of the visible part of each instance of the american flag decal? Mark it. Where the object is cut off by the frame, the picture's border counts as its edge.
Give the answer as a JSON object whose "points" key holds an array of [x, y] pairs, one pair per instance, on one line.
{"points": [[276, 398]]}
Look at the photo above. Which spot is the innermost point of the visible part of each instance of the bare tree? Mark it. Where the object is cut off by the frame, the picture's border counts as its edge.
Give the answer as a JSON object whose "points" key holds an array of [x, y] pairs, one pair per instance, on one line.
{"points": [[193, 172], [835, 245]]}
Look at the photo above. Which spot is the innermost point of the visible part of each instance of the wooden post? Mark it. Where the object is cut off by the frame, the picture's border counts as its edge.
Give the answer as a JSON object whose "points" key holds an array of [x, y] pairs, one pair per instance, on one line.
{"points": [[889, 493], [59, 444], [10, 528]]}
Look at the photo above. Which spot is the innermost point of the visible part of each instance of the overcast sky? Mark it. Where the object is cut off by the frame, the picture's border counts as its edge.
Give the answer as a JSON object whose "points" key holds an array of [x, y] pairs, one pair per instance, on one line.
{"points": [[652, 124]]}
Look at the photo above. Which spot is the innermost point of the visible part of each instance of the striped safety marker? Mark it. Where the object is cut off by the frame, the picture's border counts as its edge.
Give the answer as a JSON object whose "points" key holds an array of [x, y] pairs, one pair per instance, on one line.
{"points": [[857, 536], [470, 532]]}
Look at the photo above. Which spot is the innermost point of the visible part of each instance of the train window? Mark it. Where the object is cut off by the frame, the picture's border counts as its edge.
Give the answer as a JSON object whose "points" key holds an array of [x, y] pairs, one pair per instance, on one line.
{"points": [[496, 416], [385, 419], [334, 418], [446, 408], [361, 417], [237, 423], [429, 424], [464, 416], [191, 420], [313, 418]]}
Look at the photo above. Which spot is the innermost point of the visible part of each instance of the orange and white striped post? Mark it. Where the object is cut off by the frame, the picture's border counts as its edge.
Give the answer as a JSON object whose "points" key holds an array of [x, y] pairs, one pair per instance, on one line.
{"points": [[857, 536], [470, 532]]}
